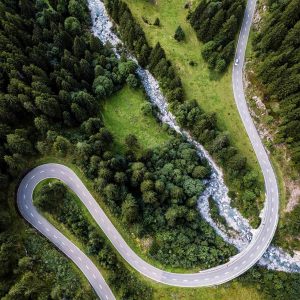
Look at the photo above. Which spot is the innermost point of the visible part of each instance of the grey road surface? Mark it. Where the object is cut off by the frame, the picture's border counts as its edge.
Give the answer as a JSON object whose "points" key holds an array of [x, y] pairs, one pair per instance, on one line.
{"points": [[214, 276]]}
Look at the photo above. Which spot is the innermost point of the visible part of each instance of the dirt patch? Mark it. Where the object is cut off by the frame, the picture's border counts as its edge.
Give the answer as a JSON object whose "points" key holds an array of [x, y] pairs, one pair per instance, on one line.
{"points": [[293, 188], [145, 243]]}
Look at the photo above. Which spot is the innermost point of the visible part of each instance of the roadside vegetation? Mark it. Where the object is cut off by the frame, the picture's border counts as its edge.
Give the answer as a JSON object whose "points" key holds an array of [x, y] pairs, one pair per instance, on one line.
{"points": [[276, 47], [56, 201], [271, 56], [217, 24]]}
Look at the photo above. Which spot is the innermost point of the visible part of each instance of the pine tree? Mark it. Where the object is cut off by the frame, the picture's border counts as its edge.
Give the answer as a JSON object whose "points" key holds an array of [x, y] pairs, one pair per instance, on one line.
{"points": [[179, 34]]}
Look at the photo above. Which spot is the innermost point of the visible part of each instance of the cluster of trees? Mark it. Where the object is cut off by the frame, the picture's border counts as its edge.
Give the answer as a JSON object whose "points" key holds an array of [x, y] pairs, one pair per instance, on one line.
{"points": [[66, 208], [53, 76], [204, 128], [216, 24], [154, 193], [288, 230], [154, 58], [276, 47], [272, 284]]}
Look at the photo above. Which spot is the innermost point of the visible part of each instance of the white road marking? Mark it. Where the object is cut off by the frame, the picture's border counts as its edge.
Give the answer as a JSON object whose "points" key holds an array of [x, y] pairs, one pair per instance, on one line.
{"points": [[26, 206], [32, 215], [42, 172], [79, 258], [87, 267], [26, 186], [24, 196], [47, 229], [94, 276], [100, 286], [55, 236], [32, 176], [226, 272], [40, 222]]}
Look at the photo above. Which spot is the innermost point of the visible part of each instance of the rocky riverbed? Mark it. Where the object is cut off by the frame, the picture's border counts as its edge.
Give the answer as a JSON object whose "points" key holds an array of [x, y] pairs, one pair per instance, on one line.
{"points": [[274, 258]]}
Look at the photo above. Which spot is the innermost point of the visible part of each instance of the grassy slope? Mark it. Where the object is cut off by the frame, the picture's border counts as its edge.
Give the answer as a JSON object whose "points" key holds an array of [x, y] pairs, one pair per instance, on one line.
{"points": [[213, 93], [232, 291], [122, 115]]}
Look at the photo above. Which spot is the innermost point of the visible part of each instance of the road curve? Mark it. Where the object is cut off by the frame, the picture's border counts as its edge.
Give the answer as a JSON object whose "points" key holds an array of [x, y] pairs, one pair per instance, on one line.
{"points": [[214, 276]]}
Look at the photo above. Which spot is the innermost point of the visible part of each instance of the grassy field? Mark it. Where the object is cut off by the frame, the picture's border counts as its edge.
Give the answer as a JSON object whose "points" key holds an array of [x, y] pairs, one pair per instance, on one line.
{"points": [[122, 116], [213, 93], [233, 290]]}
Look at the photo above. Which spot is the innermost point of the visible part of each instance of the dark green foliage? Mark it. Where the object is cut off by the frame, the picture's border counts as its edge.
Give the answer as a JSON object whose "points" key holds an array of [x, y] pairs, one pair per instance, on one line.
{"points": [[216, 24], [50, 65], [68, 210], [277, 49], [273, 285], [156, 195], [203, 128], [289, 227], [179, 34], [156, 22], [134, 38]]}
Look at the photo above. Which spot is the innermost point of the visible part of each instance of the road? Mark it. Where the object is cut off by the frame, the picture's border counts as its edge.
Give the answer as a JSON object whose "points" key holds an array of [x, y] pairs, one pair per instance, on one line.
{"points": [[214, 276]]}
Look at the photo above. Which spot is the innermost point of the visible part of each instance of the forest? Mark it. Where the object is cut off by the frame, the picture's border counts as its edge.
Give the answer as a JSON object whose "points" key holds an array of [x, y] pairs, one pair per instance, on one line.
{"points": [[55, 75], [217, 24], [277, 53]]}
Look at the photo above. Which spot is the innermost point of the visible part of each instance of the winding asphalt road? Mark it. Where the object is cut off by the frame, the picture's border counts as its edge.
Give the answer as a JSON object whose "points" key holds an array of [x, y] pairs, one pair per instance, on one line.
{"points": [[223, 273]]}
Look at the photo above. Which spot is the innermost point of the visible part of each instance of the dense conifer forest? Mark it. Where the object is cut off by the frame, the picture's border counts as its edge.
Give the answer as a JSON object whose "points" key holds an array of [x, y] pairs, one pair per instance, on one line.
{"points": [[277, 50], [216, 24]]}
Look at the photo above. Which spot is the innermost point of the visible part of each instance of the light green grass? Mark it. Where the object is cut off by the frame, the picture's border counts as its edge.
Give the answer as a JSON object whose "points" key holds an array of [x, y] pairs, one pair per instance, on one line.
{"points": [[233, 290], [122, 116], [213, 93]]}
